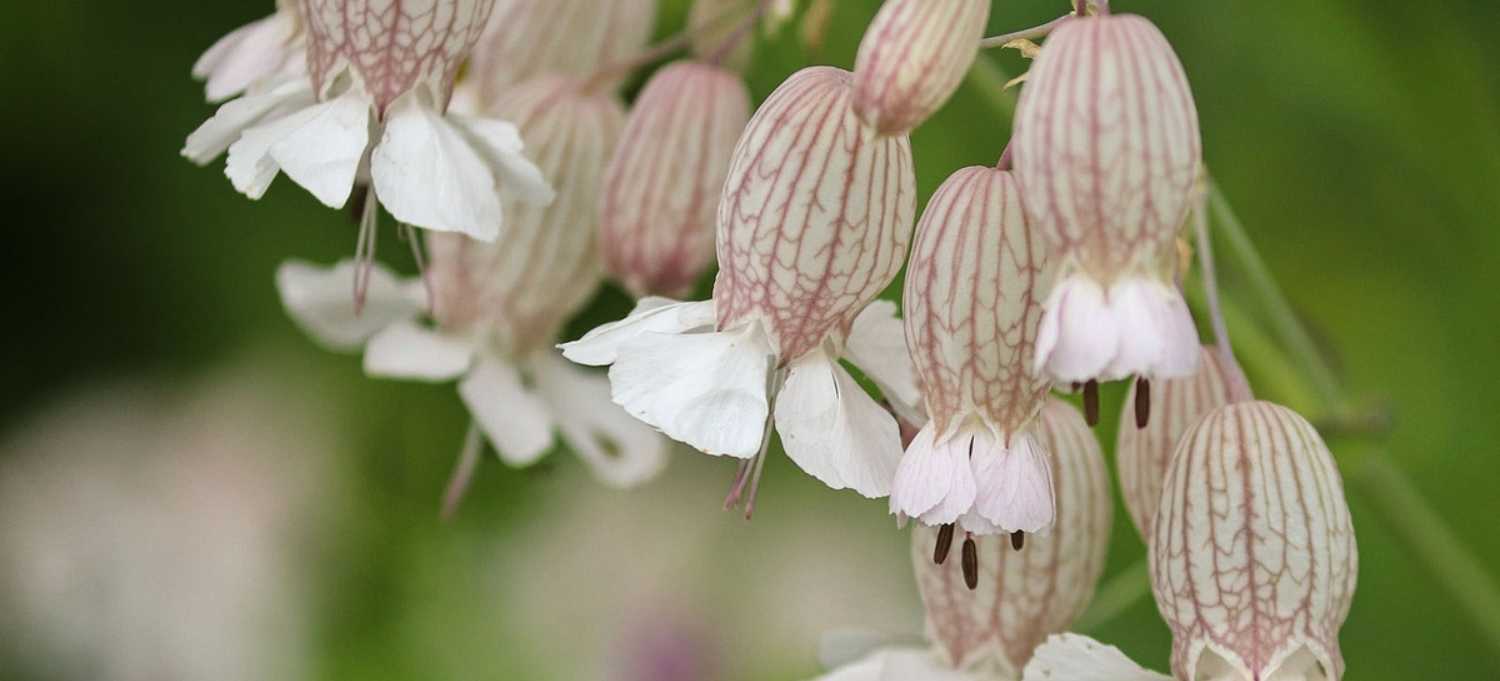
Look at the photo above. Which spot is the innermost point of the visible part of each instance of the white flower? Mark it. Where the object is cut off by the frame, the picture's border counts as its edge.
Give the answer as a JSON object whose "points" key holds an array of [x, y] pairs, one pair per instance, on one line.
{"points": [[374, 101], [814, 223], [252, 55], [517, 400]]}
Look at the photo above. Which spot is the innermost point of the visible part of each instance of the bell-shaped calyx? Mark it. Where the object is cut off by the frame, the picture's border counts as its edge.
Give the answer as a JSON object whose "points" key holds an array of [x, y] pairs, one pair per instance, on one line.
{"points": [[973, 307], [529, 38], [1143, 452], [1107, 151], [389, 48], [913, 57], [661, 191], [1024, 596], [1253, 558]]}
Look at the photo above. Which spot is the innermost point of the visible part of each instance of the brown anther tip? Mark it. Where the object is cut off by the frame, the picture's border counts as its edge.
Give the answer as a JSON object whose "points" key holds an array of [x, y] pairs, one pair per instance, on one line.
{"points": [[1142, 402], [1091, 403], [944, 544], [971, 563], [1017, 540], [1076, 386]]}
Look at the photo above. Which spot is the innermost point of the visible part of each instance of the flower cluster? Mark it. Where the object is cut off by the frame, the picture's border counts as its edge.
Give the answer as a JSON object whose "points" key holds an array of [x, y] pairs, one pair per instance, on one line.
{"points": [[496, 127]]}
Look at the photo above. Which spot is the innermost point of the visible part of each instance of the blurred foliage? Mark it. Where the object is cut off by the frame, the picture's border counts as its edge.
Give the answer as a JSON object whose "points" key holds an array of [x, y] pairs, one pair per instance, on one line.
{"points": [[1358, 141]]}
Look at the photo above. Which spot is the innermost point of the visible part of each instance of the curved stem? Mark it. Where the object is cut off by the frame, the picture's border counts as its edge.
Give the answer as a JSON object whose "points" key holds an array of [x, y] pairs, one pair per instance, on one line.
{"points": [[1024, 34]]}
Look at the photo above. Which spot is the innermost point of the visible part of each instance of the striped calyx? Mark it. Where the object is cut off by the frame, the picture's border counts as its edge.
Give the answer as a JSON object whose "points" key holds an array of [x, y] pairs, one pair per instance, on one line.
{"points": [[1107, 146], [913, 57], [662, 188], [815, 218], [520, 289], [1143, 454], [1024, 596], [1253, 558], [530, 38], [388, 48]]}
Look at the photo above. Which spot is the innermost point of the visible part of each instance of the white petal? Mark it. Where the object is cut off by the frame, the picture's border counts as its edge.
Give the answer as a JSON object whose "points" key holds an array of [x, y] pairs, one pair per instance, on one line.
{"points": [[601, 346], [215, 54], [407, 351], [899, 664], [833, 429], [515, 420], [319, 147], [705, 389], [245, 56], [321, 301], [877, 345], [499, 144], [934, 482], [1071, 657], [1077, 338], [622, 451], [1015, 485], [1157, 336], [216, 134], [428, 175]]}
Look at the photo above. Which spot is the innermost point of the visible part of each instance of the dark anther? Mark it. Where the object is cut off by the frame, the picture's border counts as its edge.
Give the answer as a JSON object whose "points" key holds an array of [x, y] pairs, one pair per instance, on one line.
{"points": [[1017, 540], [944, 544], [1091, 402], [1076, 386], [1142, 402], [971, 563]]}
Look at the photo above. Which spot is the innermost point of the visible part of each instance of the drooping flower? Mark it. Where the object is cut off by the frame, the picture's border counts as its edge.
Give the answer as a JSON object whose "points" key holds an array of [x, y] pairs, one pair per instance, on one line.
{"points": [[814, 222], [912, 59], [1144, 448], [972, 311], [662, 188], [497, 307], [1107, 152], [375, 68], [529, 38], [256, 54], [717, 37]]}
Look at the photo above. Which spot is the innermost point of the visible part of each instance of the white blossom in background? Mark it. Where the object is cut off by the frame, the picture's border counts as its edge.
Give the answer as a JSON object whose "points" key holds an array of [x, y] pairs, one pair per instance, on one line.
{"points": [[1143, 452], [1107, 152], [162, 532], [912, 59], [497, 308], [973, 304], [814, 222], [255, 55], [525, 39], [662, 188], [374, 104]]}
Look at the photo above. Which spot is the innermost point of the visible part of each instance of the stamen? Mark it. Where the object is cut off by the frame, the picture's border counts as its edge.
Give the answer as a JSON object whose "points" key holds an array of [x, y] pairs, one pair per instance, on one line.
{"points": [[364, 250], [414, 239], [741, 476], [1091, 402], [944, 544], [760, 465], [463, 472], [1142, 402], [1077, 386], [971, 562], [1017, 540]]}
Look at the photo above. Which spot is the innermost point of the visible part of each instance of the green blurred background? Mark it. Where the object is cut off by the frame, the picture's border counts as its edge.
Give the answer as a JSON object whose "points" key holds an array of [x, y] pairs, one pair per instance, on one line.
{"points": [[1358, 141]]}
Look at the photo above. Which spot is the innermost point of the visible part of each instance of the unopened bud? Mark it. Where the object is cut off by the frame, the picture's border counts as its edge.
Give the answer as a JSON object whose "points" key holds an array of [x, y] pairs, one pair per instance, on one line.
{"points": [[816, 215], [530, 38], [913, 57], [662, 189], [1253, 559], [1024, 596]]}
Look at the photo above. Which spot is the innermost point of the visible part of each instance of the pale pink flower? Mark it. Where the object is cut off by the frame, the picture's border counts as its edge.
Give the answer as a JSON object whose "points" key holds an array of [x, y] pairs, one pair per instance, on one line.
{"points": [[381, 69], [913, 57], [1107, 152], [661, 191], [972, 313], [255, 55], [813, 224]]}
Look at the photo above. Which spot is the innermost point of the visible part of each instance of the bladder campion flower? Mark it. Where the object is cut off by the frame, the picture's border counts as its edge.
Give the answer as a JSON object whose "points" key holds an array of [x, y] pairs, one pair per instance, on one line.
{"points": [[913, 57], [255, 54]]}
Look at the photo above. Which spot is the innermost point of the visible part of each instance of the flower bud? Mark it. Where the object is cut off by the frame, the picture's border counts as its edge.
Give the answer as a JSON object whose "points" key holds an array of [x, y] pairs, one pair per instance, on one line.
{"points": [[913, 57], [972, 313], [1024, 596], [717, 37], [523, 287], [390, 50], [1253, 560], [530, 38], [1143, 453], [816, 215], [661, 191], [1107, 152]]}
